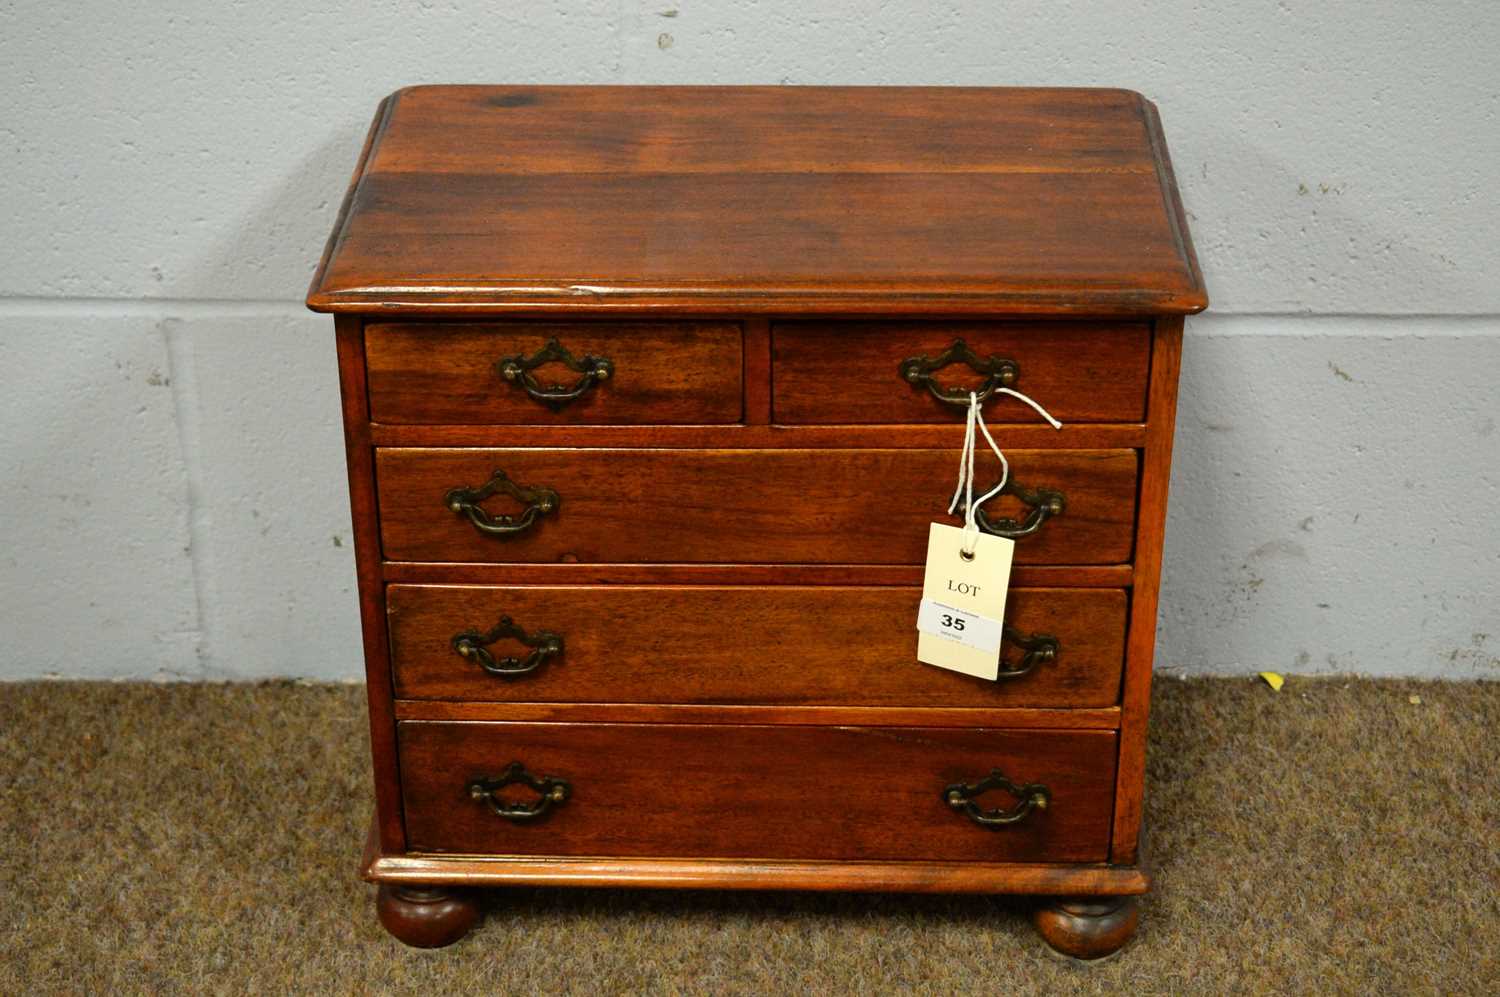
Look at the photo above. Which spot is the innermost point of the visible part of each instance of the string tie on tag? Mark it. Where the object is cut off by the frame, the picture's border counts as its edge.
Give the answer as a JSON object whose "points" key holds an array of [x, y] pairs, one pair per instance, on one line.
{"points": [[965, 489]]}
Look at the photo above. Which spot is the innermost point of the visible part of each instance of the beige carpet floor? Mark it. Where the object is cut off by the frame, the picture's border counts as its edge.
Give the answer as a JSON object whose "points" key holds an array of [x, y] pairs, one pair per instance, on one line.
{"points": [[1337, 837]]}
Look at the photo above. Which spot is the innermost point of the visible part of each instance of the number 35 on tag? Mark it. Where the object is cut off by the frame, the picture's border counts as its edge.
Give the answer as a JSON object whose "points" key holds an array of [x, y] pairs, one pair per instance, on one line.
{"points": [[959, 623]]}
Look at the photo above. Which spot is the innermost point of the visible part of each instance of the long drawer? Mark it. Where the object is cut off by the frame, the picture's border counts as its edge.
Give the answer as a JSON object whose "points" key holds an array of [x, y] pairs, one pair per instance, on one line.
{"points": [[554, 372], [892, 372], [738, 506], [756, 791], [734, 645]]}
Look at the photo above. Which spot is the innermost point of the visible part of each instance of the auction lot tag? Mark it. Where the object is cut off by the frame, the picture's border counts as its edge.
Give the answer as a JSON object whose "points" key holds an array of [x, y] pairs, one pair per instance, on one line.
{"points": [[963, 602], [968, 629]]}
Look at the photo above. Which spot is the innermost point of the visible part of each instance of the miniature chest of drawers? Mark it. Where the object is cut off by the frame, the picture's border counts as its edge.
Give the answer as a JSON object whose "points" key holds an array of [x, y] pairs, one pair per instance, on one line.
{"points": [[650, 395]]}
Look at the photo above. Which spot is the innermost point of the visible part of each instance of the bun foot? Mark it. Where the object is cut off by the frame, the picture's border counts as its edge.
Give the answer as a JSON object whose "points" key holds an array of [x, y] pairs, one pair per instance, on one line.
{"points": [[426, 917], [1087, 927]]}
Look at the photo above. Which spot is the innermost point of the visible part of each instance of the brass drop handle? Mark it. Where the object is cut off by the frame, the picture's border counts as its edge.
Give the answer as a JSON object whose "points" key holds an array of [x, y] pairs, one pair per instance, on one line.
{"points": [[470, 645], [517, 370], [1036, 649], [538, 501], [963, 797], [998, 373], [1045, 503], [551, 791]]}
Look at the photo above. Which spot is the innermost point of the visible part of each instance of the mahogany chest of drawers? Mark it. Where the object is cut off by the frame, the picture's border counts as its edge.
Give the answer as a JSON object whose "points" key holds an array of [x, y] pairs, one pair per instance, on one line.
{"points": [[650, 397]]}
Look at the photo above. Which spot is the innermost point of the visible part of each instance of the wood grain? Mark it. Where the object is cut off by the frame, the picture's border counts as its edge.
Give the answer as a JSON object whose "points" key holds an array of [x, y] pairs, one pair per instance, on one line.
{"points": [[359, 460], [847, 372], [1087, 928], [341, 220], [715, 129], [1073, 436], [755, 874], [1021, 575], [757, 261], [753, 507], [1008, 717], [425, 917], [806, 792], [756, 200], [1166, 363], [664, 372], [757, 375], [826, 645]]}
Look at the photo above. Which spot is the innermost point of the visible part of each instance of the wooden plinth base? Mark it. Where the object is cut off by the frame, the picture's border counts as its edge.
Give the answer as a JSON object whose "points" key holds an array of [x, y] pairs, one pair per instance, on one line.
{"points": [[427, 901]]}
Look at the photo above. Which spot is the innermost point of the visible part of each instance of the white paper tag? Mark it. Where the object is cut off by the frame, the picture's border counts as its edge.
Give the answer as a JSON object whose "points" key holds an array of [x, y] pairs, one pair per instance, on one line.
{"points": [[972, 590], [968, 629]]}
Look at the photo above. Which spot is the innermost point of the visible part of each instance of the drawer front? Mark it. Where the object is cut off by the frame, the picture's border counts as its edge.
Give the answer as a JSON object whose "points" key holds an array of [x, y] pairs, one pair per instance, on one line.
{"points": [[657, 372], [851, 372], [737, 506], [694, 790], [816, 646]]}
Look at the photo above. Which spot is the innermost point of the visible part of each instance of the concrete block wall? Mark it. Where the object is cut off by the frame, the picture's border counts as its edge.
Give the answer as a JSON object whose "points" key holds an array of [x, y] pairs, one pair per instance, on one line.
{"points": [[172, 497]]}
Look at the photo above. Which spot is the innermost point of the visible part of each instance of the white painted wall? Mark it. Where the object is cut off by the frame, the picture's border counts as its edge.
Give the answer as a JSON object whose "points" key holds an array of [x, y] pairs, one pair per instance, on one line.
{"points": [[171, 483]]}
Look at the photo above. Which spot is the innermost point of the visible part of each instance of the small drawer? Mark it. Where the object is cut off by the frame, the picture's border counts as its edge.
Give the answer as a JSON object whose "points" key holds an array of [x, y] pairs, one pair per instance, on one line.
{"points": [[814, 646], [888, 372], [554, 372], [608, 506], [774, 792]]}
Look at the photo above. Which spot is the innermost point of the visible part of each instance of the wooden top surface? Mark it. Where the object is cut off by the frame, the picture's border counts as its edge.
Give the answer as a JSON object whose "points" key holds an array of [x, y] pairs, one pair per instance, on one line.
{"points": [[697, 200]]}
